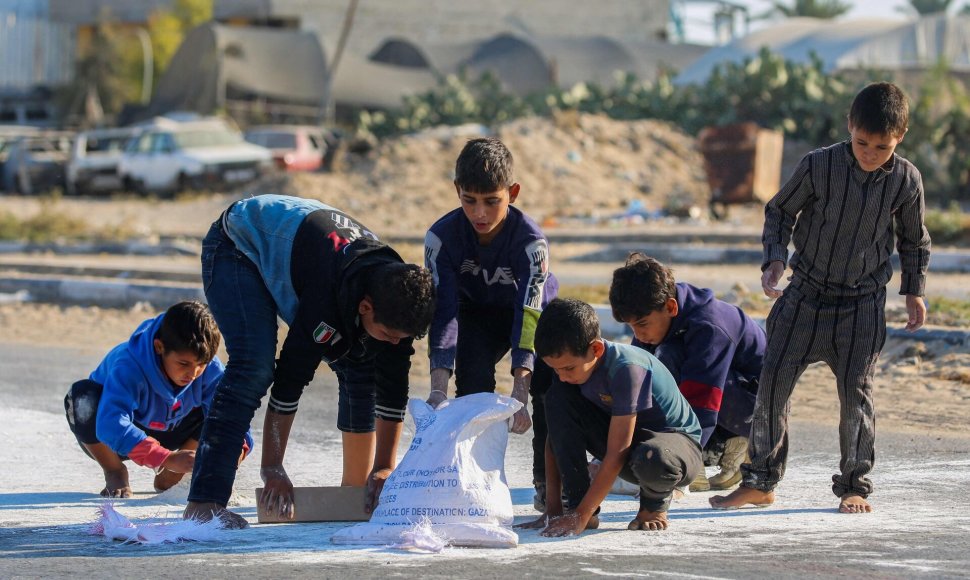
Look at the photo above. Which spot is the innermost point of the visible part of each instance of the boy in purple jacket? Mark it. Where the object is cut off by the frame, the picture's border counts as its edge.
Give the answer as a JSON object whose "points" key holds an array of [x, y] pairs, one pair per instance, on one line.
{"points": [[147, 399], [712, 348], [490, 264]]}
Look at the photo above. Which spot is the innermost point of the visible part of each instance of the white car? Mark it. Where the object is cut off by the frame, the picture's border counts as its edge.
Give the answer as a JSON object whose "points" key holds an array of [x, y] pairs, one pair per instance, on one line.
{"points": [[168, 157], [93, 165]]}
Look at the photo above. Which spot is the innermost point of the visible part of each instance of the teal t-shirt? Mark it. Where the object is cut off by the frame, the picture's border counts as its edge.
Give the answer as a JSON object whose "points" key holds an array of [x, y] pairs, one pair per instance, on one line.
{"points": [[631, 380]]}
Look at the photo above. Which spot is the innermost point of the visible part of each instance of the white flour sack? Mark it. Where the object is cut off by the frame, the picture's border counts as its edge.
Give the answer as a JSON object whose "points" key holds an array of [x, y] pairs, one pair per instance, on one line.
{"points": [[452, 477]]}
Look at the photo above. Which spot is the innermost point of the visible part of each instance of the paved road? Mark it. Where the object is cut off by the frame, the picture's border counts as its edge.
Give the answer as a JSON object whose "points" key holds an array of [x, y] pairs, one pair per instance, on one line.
{"points": [[920, 528]]}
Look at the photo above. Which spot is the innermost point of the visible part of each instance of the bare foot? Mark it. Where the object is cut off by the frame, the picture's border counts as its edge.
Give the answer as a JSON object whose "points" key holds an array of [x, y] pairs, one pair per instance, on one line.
{"points": [[116, 483], [166, 479], [648, 520], [204, 512], [853, 503], [743, 496]]}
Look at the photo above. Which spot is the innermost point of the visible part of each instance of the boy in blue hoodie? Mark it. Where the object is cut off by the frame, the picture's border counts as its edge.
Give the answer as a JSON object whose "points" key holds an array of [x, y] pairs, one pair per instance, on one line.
{"points": [[147, 399], [490, 264], [712, 348]]}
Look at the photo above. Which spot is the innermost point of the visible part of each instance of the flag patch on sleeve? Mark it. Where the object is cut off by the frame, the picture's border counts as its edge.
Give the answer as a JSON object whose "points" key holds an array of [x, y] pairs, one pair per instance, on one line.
{"points": [[323, 333]]}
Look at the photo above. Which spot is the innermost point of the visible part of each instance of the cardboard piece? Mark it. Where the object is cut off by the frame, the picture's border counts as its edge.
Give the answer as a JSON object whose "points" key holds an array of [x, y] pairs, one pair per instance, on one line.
{"points": [[321, 504]]}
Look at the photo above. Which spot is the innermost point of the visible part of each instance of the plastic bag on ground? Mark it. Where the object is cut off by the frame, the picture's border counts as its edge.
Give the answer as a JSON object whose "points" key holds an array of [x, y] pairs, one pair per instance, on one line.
{"points": [[452, 477], [115, 526]]}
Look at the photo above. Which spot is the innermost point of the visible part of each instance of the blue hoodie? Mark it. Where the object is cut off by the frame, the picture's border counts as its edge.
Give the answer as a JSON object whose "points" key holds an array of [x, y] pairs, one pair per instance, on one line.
{"points": [[138, 395]]}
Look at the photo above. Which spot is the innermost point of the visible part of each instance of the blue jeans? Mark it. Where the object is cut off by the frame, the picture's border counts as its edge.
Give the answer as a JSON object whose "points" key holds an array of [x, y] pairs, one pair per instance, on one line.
{"points": [[247, 317]]}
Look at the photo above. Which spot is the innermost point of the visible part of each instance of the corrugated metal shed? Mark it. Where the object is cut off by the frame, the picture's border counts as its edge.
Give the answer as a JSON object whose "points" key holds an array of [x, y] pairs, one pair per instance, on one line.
{"points": [[35, 51]]}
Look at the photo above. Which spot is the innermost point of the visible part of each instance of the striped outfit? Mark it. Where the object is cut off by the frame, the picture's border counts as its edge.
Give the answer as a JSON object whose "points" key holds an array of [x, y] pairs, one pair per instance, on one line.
{"points": [[842, 221]]}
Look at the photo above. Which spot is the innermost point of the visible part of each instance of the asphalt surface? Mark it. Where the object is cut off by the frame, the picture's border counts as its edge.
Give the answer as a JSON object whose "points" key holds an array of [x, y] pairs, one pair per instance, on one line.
{"points": [[916, 547]]}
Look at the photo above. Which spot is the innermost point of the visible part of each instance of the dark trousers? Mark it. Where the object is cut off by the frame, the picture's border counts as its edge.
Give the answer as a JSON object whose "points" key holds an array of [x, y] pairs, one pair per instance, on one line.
{"points": [[81, 410], [848, 335], [483, 339], [658, 461]]}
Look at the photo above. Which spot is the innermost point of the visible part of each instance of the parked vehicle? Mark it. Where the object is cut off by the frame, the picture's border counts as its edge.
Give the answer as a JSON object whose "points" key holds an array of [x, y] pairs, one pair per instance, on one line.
{"points": [[168, 156], [36, 163], [294, 147], [9, 134], [93, 164]]}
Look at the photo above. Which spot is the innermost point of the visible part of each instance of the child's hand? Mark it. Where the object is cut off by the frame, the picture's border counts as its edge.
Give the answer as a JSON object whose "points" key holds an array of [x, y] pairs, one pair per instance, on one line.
{"points": [[180, 461], [537, 524], [770, 278], [375, 485], [277, 492], [570, 524], [916, 309], [521, 421], [436, 398]]}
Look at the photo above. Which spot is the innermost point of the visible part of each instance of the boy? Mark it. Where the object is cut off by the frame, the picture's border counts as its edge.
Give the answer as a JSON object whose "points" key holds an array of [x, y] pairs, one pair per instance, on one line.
{"points": [[840, 208], [148, 397], [348, 299], [713, 350], [619, 403], [490, 264]]}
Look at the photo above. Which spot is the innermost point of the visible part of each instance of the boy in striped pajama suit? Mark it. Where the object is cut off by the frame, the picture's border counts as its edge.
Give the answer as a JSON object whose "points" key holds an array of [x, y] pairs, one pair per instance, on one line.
{"points": [[840, 208]]}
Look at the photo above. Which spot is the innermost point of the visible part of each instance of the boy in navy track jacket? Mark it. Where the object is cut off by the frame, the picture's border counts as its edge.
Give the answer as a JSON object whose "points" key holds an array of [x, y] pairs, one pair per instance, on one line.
{"points": [[490, 264], [147, 399]]}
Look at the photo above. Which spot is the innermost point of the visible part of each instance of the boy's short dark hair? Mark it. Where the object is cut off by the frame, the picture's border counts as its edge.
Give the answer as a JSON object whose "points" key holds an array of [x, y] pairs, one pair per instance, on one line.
{"points": [[566, 326], [403, 296], [880, 109], [643, 285], [484, 165], [189, 327]]}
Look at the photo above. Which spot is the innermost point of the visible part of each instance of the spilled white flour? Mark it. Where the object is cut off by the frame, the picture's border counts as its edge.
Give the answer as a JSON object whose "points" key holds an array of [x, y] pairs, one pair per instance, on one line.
{"points": [[47, 502]]}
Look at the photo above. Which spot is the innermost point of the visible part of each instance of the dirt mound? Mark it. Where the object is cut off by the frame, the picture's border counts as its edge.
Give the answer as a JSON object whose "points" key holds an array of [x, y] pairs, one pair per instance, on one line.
{"points": [[573, 166]]}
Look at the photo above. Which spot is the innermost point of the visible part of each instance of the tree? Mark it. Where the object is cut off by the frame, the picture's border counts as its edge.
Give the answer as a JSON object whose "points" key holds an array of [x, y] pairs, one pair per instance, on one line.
{"points": [[826, 9], [168, 28], [100, 86], [929, 6]]}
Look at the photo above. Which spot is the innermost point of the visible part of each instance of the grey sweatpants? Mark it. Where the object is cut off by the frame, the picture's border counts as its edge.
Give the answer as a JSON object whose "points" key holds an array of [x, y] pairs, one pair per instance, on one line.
{"points": [[658, 461], [848, 335]]}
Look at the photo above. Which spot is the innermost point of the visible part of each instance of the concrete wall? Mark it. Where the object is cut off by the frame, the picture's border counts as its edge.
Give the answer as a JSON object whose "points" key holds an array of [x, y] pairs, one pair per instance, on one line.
{"points": [[448, 21]]}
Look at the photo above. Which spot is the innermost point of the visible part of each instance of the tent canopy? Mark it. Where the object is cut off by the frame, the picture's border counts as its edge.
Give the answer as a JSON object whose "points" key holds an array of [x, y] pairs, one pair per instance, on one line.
{"points": [[528, 64], [215, 61], [850, 44]]}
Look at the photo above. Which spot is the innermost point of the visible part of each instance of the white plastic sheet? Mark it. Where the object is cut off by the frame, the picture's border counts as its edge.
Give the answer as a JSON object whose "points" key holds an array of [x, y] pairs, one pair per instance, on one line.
{"points": [[115, 526]]}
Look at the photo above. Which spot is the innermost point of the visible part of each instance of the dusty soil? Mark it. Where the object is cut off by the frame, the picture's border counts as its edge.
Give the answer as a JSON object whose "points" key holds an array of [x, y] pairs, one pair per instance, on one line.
{"points": [[920, 387], [577, 169]]}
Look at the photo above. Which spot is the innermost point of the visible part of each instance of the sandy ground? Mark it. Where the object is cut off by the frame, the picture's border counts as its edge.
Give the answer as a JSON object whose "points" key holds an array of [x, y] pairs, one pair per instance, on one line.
{"points": [[921, 387]]}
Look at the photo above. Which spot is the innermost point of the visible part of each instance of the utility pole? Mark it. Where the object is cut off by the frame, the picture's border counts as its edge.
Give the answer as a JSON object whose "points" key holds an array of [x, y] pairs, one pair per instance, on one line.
{"points": [[327, 106]]}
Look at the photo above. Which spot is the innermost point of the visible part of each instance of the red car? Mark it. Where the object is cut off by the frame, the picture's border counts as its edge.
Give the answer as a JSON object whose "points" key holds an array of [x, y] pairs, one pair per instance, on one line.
{"points": [[294, 147]]}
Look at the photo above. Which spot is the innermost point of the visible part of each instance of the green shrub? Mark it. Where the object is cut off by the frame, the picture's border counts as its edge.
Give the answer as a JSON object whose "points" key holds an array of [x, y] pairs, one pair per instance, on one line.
{"points": [[948, 226], [802, 100]]}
